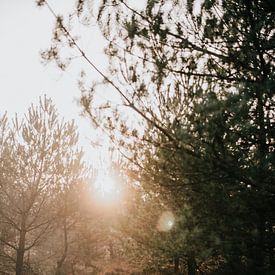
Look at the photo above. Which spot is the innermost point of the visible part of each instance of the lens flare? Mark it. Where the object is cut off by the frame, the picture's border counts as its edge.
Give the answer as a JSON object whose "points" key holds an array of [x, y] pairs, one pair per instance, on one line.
{"points": [[166, 221]]}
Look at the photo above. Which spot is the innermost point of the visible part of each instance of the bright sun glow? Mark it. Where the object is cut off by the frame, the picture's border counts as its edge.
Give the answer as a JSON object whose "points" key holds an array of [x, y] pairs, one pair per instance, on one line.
{"points": [[166, 221], [106, 189]]}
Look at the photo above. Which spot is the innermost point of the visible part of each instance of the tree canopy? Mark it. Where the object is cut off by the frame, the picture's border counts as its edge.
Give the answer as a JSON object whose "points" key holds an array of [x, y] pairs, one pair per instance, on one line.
{"points": [[195, 120], [39, 162]]}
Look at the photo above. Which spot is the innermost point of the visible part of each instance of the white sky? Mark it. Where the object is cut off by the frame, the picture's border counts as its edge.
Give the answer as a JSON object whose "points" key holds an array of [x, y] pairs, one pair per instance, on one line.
{"points": [[25, 30]]}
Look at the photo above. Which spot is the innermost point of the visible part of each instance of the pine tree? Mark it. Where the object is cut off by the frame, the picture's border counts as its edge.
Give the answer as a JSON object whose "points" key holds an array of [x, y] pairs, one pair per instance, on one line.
{"points": [[39, 159], [199, 79]]}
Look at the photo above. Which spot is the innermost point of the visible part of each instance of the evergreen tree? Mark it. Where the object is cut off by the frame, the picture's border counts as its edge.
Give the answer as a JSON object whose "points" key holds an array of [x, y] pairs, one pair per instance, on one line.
{"points": [[205, 82], [199, 78], [39, 160]]}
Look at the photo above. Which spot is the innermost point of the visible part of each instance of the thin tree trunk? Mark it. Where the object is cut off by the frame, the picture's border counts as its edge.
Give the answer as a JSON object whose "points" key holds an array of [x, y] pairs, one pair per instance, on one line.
{"points": [[21, 248], [271, 259], [64, 256], [176, 265], [72, 266], [191, 265], [259, 249]]}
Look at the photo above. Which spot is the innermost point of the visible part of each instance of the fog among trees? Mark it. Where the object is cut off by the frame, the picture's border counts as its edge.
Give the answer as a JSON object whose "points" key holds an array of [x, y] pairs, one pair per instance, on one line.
{"points": [[187, 105]]}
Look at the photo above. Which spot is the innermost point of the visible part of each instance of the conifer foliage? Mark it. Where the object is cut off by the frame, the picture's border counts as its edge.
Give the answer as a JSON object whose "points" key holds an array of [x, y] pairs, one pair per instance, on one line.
{"points": [[40, 163], [195, 120], [200, 74]]}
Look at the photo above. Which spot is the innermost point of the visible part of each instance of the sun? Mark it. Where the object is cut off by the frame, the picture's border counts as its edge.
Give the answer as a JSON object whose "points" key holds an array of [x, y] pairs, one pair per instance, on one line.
{"points": [[106, 189]]}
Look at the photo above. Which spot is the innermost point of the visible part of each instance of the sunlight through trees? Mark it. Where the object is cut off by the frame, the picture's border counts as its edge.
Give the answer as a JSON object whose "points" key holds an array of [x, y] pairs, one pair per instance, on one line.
{"points": [[186, 109]]}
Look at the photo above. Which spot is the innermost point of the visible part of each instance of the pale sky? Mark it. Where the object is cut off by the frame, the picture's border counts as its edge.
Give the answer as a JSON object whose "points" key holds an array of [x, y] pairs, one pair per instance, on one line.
{"points": [[25, 30]]}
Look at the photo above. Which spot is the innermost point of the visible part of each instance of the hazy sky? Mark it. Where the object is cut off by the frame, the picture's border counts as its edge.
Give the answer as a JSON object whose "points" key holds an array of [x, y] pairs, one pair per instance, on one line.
{"points": [[25, 30]]}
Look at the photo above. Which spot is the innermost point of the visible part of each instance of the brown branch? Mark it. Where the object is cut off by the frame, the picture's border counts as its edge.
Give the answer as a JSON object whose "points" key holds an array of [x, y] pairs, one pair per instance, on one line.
{"points": [[8, 244]]}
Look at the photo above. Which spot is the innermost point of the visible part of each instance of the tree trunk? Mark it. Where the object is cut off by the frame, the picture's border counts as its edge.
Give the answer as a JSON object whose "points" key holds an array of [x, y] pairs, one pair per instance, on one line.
{"points": [[259, 253], [271, 259], [2, 237], [191, 265], [19, 261], [21, 248], [176, 265], [72, 266], [64, 256]]}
